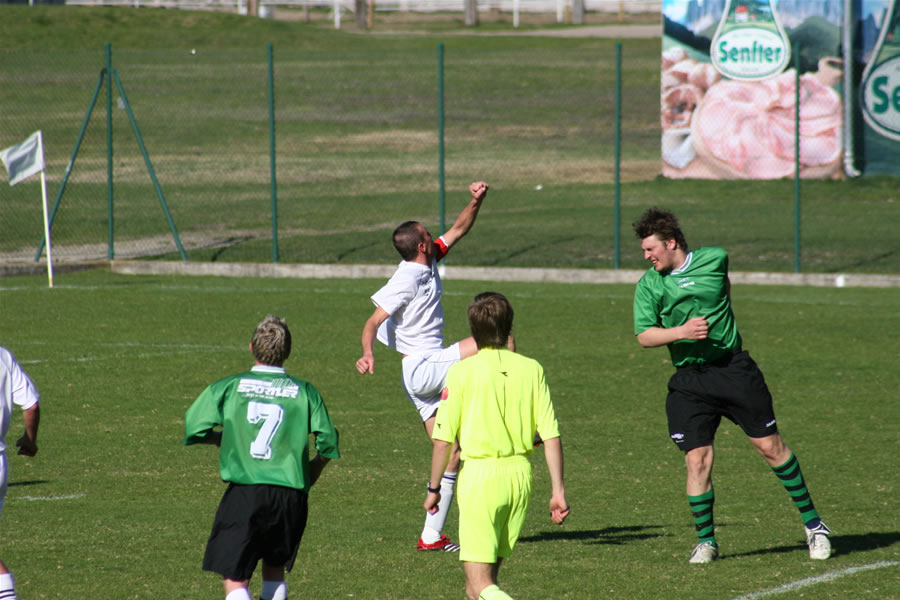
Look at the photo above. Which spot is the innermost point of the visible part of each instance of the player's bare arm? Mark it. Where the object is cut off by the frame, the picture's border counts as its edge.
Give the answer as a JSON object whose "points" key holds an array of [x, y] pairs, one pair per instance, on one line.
{"points": [[27, 444], [212, 438], [366, 363], [316, 466], [466, 218], [553, 454], [440, 456], [694, 329]]}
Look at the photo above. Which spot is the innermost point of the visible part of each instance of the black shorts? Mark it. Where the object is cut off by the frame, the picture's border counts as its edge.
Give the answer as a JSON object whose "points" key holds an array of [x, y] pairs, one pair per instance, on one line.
{"points": [[699, 396], [255, 522]]}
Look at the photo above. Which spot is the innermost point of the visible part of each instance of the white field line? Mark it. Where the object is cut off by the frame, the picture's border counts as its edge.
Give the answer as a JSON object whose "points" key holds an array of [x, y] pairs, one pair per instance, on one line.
{"points": [[40, 498], [162, 350], [802, 583], [193, 288], [226, 289]]}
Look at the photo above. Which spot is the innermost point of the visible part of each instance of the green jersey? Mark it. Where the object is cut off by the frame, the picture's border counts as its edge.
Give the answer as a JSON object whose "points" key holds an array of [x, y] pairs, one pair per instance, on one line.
{"points": [[698, 288], [266, 417], [496, 401]]}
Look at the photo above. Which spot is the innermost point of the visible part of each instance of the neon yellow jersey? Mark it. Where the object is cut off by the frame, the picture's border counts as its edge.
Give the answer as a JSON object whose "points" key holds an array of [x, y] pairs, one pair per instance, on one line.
{"points": [[496, 402]]}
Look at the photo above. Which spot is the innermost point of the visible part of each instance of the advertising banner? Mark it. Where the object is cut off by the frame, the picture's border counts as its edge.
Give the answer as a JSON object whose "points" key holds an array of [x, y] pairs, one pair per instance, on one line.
{"points": [[729, 88], [878, 46]]}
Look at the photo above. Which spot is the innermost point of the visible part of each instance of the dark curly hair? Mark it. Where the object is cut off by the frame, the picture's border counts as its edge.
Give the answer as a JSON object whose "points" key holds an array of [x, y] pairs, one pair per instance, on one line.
{"points": [[661, 223]]}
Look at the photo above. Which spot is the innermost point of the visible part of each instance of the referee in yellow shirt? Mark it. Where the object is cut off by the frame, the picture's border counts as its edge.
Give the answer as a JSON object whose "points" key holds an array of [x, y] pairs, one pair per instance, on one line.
{"points": [[493, 403]]}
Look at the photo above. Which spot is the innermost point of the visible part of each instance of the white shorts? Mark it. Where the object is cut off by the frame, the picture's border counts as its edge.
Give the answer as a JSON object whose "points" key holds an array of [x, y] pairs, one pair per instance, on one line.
{"points": [[424, 376], [3, 479]]}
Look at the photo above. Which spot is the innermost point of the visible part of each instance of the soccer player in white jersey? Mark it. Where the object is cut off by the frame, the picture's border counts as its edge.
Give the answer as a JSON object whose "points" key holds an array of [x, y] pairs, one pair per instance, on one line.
{"points": [[16, 389], [409, 318]]}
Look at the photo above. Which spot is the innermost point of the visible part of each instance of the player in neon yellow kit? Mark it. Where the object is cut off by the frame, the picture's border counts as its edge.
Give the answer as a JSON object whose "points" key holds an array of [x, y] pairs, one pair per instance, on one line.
{"points": [[684, 302], [493, 403], [266, 417]]}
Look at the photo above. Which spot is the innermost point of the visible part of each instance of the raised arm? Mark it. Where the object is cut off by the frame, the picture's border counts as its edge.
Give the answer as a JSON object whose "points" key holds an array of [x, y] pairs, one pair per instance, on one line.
{"points": [[559, 508], [366, 364], [466, 218]]}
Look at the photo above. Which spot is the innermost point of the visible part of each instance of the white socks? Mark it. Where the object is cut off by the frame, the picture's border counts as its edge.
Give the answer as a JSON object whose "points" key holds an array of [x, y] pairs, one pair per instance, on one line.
{"points": [[274, 590], [7, 587], [239, 594], [434, 524], [271, 590]]}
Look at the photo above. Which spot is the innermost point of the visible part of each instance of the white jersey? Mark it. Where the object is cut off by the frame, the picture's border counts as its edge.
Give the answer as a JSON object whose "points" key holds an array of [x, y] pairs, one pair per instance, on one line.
{"points": [[15, 389], [412, 296]]}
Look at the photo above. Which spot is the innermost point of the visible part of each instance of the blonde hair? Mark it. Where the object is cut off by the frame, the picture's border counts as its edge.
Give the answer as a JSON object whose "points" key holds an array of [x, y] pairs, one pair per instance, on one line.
{"points": [[271, 341]]}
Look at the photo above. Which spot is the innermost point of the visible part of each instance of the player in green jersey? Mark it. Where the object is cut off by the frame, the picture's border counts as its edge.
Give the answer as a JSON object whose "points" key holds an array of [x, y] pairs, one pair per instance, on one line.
{"points": [[493, 404], [266, 417], [684, 302]]}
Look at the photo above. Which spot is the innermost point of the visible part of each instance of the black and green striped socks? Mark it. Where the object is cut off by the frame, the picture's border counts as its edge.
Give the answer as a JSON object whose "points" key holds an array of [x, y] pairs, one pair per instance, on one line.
{"points": [[792, 479], [702, 509]]}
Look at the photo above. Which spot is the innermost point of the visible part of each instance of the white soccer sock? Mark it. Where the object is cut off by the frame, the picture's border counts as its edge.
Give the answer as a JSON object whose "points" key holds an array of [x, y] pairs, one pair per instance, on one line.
{"points": [[274, 590], [7, 587], [434, 524], [239, 594]]}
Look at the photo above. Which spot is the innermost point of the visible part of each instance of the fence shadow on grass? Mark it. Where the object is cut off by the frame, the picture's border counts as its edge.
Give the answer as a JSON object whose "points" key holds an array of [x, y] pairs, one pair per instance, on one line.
{"points": [[842, 545], [524, 250], [615, 536]]}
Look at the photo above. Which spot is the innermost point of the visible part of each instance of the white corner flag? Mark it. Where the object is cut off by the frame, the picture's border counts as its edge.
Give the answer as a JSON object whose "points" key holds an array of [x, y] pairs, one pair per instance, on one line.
{"points": [[21, 162], [25, 159]]}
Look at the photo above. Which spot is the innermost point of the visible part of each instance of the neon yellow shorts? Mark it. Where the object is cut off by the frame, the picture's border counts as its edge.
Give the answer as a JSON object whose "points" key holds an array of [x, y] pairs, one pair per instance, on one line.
{"points": [[492, 495]]}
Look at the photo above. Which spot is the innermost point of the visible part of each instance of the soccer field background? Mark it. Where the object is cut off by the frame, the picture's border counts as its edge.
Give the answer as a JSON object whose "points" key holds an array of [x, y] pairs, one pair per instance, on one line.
{"points": [[357, 147], [113, 506]]}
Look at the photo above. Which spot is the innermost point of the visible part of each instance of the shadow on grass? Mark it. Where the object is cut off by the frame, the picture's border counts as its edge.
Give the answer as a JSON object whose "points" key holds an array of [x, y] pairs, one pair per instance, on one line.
{"points": [[531, 247], [861, 263], [354, 250], [615, 536], [33, 482], [841, 544], [226, 245]]}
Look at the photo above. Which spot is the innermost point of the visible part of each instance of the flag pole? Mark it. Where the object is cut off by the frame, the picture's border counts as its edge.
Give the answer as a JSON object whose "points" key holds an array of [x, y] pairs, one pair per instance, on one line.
{"points": [[21, 162], [47, 229]]}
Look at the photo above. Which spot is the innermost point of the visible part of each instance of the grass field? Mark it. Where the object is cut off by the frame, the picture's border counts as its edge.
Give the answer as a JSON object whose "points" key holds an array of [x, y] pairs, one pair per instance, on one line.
{"points": [[113, 506], [357, 146]]}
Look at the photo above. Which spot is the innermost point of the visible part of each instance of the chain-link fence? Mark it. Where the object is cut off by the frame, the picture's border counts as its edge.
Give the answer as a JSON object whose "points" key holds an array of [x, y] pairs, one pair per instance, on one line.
{"points": [[357, 147]]}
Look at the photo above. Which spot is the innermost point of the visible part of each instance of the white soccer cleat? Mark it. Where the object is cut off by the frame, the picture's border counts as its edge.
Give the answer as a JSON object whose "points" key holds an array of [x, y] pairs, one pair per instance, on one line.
{"points": [[818, 542], [703, 553]]}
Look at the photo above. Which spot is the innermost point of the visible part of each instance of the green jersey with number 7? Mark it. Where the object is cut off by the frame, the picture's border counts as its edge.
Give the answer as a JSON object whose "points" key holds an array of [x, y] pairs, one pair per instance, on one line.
{"points": [[266, 418]]}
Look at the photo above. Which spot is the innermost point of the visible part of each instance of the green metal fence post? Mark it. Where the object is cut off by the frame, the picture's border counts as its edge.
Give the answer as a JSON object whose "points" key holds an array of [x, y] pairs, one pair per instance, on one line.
{"points": [[441, 132], [796, 158], [109, 154], [272, 156], [65, 179], [618, 150], [150, 170]]}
